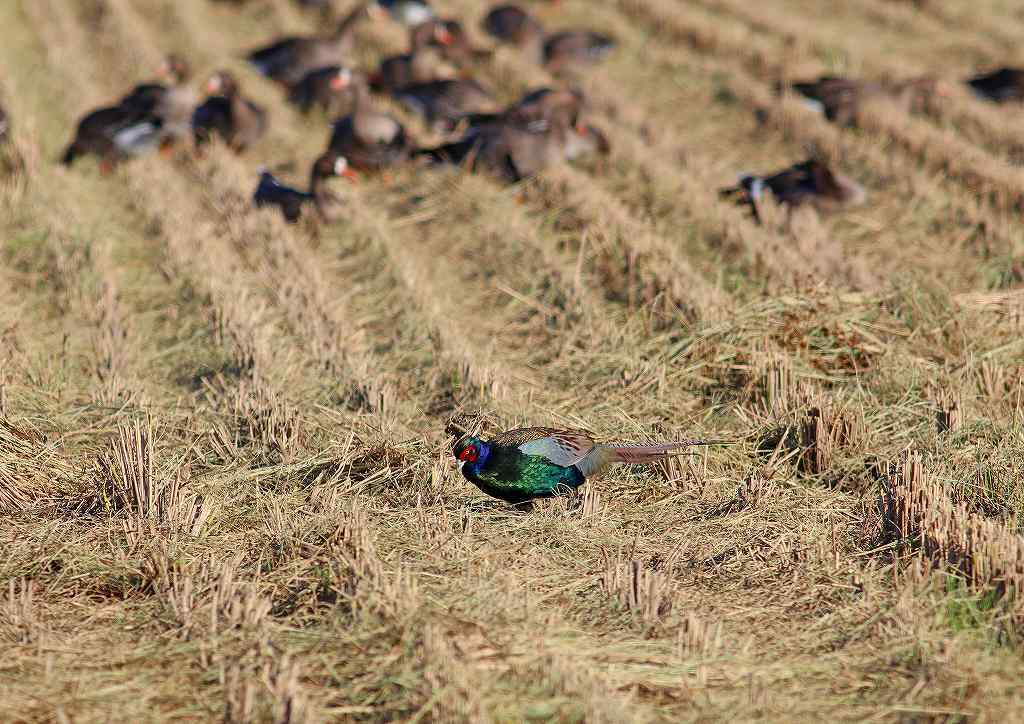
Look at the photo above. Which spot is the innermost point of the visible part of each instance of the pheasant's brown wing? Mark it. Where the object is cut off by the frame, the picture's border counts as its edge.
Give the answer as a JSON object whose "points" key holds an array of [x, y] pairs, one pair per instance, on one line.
{"points": [[561, 447], [523, 435]]}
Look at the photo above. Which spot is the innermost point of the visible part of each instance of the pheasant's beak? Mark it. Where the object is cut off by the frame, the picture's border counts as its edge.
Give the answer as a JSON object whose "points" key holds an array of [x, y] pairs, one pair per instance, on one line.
{"points": [[461, 464]]}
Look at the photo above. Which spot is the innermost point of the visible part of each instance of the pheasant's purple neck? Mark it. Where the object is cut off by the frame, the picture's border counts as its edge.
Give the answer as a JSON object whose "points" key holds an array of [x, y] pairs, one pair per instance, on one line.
{"points": [[483, 450]]}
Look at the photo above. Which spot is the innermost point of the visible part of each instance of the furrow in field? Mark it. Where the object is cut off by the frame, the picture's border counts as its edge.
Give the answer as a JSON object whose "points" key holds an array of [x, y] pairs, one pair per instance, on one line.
{"points": [[895, 39], [701, 35], [660, 257], [817, 40], [670, 268], [988, 31], [120, 303], [293, 280], [487, 375], [649, 134], [986, 131]]}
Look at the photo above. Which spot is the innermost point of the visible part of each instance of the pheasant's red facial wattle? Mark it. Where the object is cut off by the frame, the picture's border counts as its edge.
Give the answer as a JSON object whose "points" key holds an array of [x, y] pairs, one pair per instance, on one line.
{"points": [[468, 455]]}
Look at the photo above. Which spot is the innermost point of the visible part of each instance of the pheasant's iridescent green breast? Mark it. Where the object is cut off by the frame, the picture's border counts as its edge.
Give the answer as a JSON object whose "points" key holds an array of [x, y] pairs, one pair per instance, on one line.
{"points": [[511, 475]]}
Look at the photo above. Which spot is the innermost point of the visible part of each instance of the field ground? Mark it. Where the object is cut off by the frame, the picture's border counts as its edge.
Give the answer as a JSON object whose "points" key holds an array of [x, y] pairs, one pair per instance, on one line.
{"points": [[225, 460]]}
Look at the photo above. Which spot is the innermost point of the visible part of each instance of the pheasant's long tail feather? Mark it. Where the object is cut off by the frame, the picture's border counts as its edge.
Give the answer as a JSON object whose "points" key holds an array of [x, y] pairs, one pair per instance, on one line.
{"points": [[649, 453], [604, 455]]}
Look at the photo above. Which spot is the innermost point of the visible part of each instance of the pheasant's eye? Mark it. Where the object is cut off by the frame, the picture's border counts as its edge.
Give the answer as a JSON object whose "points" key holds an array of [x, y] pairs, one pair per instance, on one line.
{"points": [[468, 455]]}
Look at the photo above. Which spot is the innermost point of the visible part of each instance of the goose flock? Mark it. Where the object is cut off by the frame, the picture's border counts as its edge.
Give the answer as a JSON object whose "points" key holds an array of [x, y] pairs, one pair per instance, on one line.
{"points": [[435, 80]]}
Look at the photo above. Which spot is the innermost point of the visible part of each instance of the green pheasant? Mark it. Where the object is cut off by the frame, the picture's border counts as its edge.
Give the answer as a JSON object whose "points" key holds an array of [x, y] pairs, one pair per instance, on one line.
{"points": [[540, 462]]}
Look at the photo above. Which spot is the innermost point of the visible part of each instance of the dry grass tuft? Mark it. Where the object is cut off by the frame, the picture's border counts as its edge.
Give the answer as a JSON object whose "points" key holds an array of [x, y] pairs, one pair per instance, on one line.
{"points": [[697, 638], [949, 417], [646, 593], [825, 430], [130, 482], [357, 577], [30, 468], [19, 613], [263, 685], [205, 599], [258, 420], [919, 509]]}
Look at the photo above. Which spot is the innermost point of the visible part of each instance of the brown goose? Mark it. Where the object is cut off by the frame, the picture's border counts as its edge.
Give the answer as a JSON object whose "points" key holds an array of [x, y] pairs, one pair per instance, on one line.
{"points": [[150, 115], [422, 66], [548, 106], [1000, 86], [369, 139], [178, 102], [575, 49], [537, 110], [515, 152], [449, 37], [811, 183], [332, 88], [444, 102], [237, 120], [270, 192], [841, 99], [289, 59], [559, 52], [513, 25]]}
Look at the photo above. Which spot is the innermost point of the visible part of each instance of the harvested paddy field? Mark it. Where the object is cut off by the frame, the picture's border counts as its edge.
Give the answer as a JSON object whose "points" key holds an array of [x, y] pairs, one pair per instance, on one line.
{"points": [[227, 488]]}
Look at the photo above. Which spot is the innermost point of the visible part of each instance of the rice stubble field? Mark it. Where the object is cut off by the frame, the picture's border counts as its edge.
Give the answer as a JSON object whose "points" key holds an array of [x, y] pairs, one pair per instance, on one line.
{"points": [[226, 477]]}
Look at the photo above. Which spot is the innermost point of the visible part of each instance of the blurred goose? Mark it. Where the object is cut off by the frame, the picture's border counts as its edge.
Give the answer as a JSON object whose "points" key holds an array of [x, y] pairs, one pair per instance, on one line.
{"points": [[536, 111], [840, 99], [444, 102], [117, 132], [422, 66], [837, 97], [547, 106], [1000, 86], [271, 192], [368, 138], [513, 25], [449, 37], [810, 183], [238, 121], [177, 101], [407, 12], [573, 49], [558, 52], [515, 152], [289, 59], [332, 88]]}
